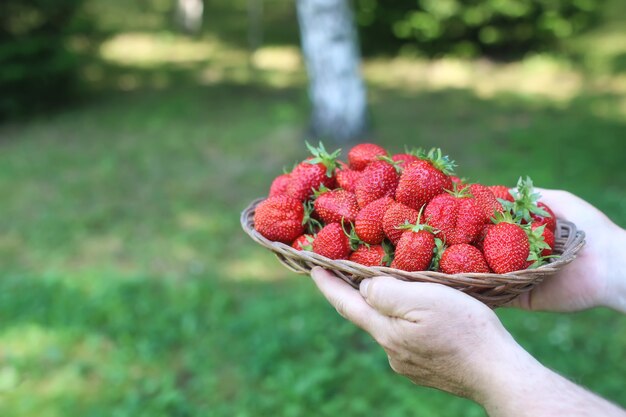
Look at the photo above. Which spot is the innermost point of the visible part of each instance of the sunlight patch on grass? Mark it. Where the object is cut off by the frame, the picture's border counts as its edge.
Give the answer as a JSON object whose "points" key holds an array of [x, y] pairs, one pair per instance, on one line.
{"points": [[283, 59], [261, 267]]}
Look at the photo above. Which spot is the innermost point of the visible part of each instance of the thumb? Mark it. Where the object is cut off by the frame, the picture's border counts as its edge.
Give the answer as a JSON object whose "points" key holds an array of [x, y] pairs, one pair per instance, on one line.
{"points": [[396, 298]]}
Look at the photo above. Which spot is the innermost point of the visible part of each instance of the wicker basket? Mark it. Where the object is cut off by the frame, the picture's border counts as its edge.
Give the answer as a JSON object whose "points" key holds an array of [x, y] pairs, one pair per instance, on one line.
{"points": [[492, 289]]}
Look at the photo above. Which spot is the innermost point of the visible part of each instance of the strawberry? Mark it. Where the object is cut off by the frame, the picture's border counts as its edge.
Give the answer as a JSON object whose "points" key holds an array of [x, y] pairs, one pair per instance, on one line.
{"points": [[347, 178], [526, 205], [548, 238], [336, 206], [506, 246], [369, 222], [332, 242], [279, 219], [403, 159], [461, 258], [374, 255], [303, 242], [310, 174], [501, 192], [378, 180], [363, 154], [486, 200], [421, 181], [414, 251], [279, 185], [396, 215], [457, 215], [549, 220]]}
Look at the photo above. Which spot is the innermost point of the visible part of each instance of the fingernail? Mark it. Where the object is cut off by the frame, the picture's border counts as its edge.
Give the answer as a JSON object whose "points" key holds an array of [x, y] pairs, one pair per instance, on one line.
{"points": [[363, 287]]}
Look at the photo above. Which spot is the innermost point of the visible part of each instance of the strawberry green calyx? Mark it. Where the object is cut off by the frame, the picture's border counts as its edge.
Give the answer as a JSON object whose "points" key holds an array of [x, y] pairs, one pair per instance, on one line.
{"points": [[442, 162], [526, 200], [464, 192], [311, 224], [389, 252], [320, 155], [418, 152], [437, 252], [537, 245], [505, 217], [320, 191], [418, 226], [355, 241], [395, 164]]}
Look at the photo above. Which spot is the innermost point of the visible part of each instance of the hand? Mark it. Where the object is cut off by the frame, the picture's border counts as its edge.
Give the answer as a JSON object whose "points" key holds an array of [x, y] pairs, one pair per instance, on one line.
{"points": [[597, 277], [434, 335]]}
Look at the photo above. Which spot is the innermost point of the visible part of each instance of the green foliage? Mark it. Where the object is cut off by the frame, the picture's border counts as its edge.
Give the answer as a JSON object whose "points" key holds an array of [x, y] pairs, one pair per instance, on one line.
{"points": [[498, 28], [37, 66]]}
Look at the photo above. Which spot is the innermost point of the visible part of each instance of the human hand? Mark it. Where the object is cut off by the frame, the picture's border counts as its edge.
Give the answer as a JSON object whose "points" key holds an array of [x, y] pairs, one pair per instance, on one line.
{"points": [[435, 335], [597, 277]]}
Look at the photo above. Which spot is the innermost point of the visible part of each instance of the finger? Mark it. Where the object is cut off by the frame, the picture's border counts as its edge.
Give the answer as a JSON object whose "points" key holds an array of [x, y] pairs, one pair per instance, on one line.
{"points": [[557, 200], [396, 298], [346, 300]]}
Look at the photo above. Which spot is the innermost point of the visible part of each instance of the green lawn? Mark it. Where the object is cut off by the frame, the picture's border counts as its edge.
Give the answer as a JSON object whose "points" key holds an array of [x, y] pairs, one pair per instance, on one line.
{"points": [[127, 287]]}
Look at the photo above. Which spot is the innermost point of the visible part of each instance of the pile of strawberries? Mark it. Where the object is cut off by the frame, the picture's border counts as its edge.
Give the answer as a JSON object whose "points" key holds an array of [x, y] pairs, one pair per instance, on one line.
{"points": [[408, 211]]}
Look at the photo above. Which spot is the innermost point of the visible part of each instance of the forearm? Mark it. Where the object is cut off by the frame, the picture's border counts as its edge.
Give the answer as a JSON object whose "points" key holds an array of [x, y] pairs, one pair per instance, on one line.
{"points": [[519, 386]]}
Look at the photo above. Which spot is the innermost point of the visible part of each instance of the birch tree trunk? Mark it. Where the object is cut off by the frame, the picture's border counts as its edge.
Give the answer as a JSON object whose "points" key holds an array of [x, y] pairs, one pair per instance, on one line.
{"points": [[336, 88]]}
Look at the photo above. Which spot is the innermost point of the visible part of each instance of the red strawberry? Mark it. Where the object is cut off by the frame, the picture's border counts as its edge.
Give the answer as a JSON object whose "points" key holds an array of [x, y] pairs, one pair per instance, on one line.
{"points": [[396, 215], [421, 181], [461, 258], [486, 200], [369, 222], [279, 219], [506, 247], [378, 180], [310, 174], [414, 251], [549, 221], [332, 242], [347, 178], [363, 154], [336, 206], [548, 238], [478, 242], [304, 242], [501, 191], [279, 185], [403, 159], [458, 216], [369, 255]]}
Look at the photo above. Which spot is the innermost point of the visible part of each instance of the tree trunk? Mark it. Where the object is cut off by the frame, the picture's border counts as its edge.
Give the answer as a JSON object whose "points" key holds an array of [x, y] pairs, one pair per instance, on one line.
{"points": [[189, 15], [336, 89]]}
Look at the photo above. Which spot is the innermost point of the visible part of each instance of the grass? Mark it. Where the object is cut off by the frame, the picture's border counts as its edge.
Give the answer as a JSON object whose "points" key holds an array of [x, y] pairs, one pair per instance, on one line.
{"points": [[128, 289]]}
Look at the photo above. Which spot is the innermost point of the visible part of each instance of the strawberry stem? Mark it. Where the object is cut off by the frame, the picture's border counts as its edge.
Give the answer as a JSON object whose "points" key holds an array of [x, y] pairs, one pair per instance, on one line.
{"points": [[321, 156]]}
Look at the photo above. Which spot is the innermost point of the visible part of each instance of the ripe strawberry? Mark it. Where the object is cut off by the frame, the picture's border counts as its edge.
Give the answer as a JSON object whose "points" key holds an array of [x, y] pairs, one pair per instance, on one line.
{"points": [[332, 242], [379, 179], [369, 222], [310, 174], [526, 205], [370, 255], [414, 251], [279, 185], [304, 242], [336, 206], [461, 258], [548, 238], [279, 219], [404, 159], [457, 215], [421, 181], [396, 215], [363, 154], [501, 192], [549, 221], [347, 178], [486, 200], [506, 246]]}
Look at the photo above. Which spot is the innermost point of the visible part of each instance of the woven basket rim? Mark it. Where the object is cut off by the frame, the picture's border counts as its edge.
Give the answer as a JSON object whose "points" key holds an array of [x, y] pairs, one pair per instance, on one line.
{"points": [[504, 286]]}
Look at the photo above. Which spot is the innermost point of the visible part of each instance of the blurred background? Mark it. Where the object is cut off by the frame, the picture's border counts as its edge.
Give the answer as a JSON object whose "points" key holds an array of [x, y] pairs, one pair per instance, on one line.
{"points": [[133, 133]]}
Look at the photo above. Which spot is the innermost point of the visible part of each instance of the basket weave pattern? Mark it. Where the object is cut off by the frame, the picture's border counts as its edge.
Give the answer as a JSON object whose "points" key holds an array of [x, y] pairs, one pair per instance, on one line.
{"points": [[492, 289]]}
